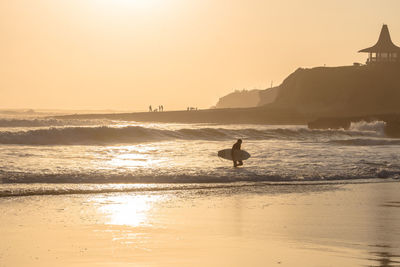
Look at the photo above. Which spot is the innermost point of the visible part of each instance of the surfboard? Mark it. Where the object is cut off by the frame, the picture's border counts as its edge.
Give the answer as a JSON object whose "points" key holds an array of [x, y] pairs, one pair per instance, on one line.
{"points": [[238, 154]]}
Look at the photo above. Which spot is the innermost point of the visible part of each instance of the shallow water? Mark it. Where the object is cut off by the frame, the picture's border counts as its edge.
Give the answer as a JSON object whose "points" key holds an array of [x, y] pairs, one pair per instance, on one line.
{"points": [[48, 156]]}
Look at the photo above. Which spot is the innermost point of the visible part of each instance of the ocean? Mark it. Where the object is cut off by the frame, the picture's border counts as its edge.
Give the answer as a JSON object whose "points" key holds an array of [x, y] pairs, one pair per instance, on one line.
{"points": [[118, 193], [44, 156]]}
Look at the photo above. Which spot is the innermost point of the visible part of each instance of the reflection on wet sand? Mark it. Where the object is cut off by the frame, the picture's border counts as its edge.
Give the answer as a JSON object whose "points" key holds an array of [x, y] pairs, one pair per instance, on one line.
{"points": [[386, 254], [318, 218], [384, 258], [127, 210], [270, 225]]}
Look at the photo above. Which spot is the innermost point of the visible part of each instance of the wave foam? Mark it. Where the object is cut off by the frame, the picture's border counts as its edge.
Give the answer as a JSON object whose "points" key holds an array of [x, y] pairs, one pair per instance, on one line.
{"points": [[168, 184], [136, 134], [8, 123], [366, 142], [377, 127]]}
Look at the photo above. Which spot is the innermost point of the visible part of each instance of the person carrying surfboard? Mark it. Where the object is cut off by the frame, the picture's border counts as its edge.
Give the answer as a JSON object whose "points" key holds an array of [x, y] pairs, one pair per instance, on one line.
{"points": [[236, 147]]}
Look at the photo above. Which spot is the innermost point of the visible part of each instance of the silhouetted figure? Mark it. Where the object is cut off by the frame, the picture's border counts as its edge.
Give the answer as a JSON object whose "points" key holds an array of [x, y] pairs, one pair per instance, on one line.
{"points": [[150, 109], [236, 147], [162, 108]]}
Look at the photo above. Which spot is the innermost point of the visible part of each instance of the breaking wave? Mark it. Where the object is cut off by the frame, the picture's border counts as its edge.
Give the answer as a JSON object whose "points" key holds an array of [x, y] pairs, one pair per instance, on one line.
{"points": [[366, 142], [9, 123], [137, 134]]}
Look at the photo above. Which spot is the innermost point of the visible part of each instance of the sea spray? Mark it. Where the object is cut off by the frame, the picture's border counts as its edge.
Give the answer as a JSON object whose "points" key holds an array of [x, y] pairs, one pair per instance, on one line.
{"points": [[377, 127]]}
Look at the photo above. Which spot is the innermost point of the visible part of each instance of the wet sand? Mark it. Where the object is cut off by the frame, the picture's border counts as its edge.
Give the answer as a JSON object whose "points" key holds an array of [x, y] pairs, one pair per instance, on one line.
{"points": [[271, 225]]}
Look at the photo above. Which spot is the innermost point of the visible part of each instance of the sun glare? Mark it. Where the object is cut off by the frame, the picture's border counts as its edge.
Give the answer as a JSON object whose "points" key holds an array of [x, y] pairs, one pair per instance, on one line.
{"points": [[127, 4]]}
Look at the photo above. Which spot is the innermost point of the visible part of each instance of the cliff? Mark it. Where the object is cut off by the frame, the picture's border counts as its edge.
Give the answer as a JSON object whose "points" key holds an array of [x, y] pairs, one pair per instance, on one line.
{"points": [[239, 99], [248, 99], [342, 91], [268, 96]]}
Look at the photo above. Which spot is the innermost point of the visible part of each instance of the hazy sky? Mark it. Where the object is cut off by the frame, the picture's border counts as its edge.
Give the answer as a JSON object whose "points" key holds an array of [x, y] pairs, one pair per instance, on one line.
{"points": [[127, 54]]}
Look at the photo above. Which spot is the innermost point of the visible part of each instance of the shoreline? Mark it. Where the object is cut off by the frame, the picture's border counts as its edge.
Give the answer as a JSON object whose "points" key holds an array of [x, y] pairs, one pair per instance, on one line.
{"points": [[17, 190], [257, 115]]}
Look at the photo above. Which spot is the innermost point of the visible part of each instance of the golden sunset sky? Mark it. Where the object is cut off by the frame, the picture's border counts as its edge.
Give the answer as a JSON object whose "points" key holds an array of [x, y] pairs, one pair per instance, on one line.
{"points": [[127, 54]]}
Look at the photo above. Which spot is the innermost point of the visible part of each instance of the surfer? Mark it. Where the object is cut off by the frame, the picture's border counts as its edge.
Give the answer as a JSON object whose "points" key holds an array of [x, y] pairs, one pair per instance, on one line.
{"points": [[235, 147]]}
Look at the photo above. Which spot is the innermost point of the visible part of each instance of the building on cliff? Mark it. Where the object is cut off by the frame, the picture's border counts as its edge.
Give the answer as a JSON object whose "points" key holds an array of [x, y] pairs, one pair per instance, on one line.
{"points": [[384, 51]]}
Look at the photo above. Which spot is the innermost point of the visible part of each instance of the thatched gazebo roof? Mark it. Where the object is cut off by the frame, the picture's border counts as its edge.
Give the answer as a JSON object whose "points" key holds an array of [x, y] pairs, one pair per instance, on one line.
{"points": [[384, 44]]}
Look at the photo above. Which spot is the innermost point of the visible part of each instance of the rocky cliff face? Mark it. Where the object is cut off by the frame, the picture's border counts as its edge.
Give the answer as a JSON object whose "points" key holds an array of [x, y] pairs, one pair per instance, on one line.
{"points": [[342, 91]]}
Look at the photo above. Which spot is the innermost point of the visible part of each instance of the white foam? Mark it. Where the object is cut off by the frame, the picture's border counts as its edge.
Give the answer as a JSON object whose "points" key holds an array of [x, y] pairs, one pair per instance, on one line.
{"points": [[371, 127]]}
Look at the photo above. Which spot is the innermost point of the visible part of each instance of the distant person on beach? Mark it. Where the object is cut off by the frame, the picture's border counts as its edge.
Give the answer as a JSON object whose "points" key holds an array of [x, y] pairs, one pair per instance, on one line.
{"points": [[236, 147], [150, 109]]}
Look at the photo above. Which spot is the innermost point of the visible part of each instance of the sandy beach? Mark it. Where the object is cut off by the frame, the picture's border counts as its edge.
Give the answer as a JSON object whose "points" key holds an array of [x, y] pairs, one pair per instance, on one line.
{"points": [[334, 224], [199, 133], [256, 115]]}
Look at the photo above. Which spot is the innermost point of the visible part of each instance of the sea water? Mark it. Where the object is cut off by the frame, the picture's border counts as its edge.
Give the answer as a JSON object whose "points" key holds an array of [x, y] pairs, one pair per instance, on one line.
{"points": [[40, 156]]}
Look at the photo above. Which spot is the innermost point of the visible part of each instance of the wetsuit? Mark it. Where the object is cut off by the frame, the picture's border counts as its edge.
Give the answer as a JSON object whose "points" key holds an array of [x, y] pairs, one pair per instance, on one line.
{"points": [[236, 146]]}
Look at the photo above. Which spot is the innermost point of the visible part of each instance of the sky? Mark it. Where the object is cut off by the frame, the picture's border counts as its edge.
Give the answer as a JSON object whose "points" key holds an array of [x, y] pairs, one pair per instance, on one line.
{"points": [[129, 54]]}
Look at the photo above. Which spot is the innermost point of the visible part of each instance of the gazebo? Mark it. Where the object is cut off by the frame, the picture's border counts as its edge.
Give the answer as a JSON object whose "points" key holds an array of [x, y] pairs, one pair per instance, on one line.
{"points": [[384, 51]]}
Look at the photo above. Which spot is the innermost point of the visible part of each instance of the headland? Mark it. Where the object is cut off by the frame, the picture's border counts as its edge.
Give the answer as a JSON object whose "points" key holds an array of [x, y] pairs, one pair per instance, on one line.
{"points": [[322, 97]]}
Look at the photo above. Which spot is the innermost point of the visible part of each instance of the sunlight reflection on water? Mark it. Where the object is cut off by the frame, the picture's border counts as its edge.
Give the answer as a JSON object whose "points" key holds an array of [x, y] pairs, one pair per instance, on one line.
{"points": [[131, 157]]}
